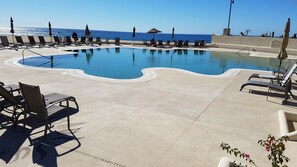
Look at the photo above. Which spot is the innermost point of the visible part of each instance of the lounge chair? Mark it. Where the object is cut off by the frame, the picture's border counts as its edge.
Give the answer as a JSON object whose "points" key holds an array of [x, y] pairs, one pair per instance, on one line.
{"points": [[153, 42], [145, 43], [283, 81], [90, 41], [5, 43], [33, 42], [46, 106], [197, 43], [11, 104], [82, 40], [186, 43], [42, 42], [57, 40], [271, 77], [11, 87], [117, 41], [202, 43], [20, 42], [98, 41], [180, 43], [167, 43], [280, 85], [68, 40], [160, 43], [107, 41]]}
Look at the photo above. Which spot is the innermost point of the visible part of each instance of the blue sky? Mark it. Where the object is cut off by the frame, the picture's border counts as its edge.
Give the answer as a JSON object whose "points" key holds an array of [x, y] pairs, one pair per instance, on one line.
{"points": [[187, 16]]}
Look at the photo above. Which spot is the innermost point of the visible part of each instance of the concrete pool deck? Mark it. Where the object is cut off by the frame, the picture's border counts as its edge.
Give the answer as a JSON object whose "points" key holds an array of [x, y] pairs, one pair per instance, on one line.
{"points": [[176, 118]]}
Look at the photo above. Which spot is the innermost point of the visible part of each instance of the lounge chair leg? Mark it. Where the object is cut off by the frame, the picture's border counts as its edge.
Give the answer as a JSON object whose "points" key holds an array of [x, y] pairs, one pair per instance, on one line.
{"points": [[269, 91], [242, 86], [77, 107], [46, 127], [68, 119], [293, 97]]}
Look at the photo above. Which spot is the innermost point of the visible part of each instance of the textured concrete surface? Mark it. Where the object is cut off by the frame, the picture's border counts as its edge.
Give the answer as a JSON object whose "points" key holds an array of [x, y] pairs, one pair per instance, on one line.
{"points": [[175, 118]]}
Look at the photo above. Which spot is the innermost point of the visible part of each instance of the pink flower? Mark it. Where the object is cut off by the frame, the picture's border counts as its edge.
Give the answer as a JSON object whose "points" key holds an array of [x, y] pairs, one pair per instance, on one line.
{"points": [[246, 155], [267, 148]]}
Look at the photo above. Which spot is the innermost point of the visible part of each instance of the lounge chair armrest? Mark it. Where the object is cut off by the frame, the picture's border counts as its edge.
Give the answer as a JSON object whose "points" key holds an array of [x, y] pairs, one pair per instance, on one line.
{"points": [[55, 102]]}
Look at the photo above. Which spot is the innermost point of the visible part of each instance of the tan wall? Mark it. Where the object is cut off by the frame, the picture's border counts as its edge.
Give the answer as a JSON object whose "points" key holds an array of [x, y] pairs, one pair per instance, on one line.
{"points": [[253, 41]]}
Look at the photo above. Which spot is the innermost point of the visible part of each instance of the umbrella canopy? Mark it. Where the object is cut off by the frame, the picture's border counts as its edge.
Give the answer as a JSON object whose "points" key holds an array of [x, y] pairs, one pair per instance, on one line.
{"points": [[172, 35], [87, 31], [11, 26], [153, 31], [49, 29], [283, 53], [133, 32]]}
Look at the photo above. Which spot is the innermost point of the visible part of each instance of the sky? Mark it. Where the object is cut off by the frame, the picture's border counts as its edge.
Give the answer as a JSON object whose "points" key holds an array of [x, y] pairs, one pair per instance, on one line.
{"points": [[186, 16]]}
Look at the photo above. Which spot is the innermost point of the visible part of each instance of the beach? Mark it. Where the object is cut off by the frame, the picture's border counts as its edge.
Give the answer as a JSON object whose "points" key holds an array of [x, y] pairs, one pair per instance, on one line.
{"points": [[169, 117]]}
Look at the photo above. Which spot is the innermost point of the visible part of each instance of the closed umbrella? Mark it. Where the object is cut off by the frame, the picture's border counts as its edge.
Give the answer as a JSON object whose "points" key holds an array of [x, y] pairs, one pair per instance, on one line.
{"points": [[11, 28], [50, 30], [133, 34], [87, 31], [283, 53], [172, 35]]}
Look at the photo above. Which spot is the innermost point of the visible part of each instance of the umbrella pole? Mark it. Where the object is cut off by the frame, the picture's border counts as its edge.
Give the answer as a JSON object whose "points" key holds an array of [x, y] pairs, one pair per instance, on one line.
{"points": [[280, 64]]}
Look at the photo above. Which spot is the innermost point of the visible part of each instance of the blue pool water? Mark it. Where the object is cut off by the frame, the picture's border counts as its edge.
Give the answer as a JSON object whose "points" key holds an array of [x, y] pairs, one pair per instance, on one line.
{"points": [[127, 63]]}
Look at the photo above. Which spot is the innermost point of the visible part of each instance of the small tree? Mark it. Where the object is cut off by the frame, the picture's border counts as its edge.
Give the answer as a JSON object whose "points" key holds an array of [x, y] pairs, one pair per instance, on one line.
{"points": [[247, 32], [237, 153], [275, 147]]}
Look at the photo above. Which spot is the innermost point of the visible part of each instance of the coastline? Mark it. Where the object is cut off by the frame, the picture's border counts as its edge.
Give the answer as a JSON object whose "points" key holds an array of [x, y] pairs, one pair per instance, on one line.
{"points": [[104, 34]]}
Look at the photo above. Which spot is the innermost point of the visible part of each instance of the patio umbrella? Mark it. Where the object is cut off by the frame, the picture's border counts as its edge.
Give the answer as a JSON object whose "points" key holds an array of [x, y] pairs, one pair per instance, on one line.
{"points": [[11, 28], [283, 53], [153, 31], [50, 30], [172, 35], [87, 31], [133, 34]]}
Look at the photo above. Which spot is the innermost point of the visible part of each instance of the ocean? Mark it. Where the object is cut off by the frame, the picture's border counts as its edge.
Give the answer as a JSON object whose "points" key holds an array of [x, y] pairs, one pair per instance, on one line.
{"points": [[139, 36]]}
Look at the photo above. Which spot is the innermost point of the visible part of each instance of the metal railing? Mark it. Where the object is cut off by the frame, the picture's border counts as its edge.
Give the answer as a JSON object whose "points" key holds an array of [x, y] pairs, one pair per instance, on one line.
{"points": [[243, 49], [51, 58]]}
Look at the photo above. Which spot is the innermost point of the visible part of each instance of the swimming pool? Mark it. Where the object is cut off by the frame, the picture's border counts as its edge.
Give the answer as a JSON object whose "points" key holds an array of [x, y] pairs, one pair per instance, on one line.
{"points": [[127, 63]]}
